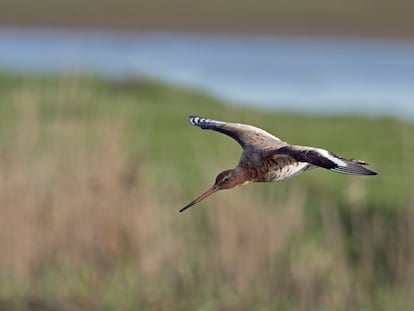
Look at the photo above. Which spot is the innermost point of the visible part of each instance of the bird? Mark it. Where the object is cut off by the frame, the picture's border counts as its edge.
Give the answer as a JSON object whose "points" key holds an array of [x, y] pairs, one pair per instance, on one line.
{"points": [[266, 158]]}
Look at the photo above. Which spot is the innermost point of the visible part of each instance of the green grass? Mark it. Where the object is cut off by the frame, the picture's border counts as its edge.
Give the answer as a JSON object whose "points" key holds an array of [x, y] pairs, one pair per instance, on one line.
{"points": [[93, 173]]}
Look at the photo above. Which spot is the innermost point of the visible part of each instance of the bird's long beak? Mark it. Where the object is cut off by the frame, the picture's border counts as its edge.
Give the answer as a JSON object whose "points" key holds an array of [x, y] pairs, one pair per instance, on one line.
{"points": [[201, 197]]}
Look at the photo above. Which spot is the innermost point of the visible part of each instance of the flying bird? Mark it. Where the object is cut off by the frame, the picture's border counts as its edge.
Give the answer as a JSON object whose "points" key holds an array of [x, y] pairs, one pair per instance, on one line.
{"points": [[266, 158]]}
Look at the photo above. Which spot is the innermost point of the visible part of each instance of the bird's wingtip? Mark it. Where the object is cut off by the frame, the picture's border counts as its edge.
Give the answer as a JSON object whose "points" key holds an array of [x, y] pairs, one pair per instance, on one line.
{"points": [[194, 119], [353, 168], [360, 162]]}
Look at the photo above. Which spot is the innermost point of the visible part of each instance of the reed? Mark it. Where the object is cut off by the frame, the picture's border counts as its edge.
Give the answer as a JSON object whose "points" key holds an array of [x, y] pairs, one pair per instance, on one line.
{"points": [[93, 173]]}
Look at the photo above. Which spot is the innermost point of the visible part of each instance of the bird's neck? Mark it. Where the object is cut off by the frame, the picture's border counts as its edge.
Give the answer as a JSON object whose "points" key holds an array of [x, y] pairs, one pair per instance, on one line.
{"points": [[243, 177]]}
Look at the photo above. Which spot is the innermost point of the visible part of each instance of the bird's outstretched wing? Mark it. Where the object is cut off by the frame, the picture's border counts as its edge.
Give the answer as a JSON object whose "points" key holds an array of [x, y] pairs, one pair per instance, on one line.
{"points": [[323, 158], [245, 135]]}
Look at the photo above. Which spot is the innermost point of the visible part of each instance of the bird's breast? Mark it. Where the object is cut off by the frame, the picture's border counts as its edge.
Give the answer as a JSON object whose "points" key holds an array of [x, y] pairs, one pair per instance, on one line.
{"points": [[280, 169]]}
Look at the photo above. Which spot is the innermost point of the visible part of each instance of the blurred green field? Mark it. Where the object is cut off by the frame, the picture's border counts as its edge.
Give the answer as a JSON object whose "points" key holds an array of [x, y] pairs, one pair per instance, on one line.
{"points": [[391, 19], [93, 173]]}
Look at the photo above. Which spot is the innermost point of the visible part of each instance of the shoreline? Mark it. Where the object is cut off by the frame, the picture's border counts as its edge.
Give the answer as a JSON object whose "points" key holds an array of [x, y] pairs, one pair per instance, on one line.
{"points": [[280, 31]]}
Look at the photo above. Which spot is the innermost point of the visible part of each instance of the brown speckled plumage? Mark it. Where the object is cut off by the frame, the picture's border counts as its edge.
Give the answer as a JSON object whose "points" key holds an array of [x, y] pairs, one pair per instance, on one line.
{"points": [[266, 158]]}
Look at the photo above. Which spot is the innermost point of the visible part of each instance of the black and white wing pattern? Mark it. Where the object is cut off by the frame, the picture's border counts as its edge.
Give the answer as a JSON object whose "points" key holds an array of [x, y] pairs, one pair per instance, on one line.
{"points": [[323, 158], [245, 135]]}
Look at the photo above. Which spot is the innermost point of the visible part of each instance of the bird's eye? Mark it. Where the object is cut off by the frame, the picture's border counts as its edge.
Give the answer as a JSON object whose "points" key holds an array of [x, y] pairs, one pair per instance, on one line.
{"points": [[226, 179]]}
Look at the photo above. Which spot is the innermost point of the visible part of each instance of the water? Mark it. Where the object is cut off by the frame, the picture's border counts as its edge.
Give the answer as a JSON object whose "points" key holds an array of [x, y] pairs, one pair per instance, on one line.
{"points": [[313, 75]]}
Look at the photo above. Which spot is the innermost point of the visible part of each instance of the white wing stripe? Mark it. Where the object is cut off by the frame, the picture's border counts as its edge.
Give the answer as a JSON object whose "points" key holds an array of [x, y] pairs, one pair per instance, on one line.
{"points": [[330, 157]]}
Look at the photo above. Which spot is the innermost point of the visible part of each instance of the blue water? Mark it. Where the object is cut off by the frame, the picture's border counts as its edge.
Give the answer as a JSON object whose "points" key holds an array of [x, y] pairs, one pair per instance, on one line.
{"points": [[314, 75]]}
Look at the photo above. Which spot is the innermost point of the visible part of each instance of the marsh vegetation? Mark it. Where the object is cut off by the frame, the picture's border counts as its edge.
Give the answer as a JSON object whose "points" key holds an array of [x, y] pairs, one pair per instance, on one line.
{"points": [[93, 173]]}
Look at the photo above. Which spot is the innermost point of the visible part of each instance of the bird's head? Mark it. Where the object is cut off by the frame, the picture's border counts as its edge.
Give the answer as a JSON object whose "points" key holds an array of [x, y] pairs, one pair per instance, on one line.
{"points": [[225, 180]]}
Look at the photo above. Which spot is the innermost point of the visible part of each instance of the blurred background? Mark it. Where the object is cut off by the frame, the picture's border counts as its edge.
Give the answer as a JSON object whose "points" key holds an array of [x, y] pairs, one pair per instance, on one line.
{"points": [[97, 155]]}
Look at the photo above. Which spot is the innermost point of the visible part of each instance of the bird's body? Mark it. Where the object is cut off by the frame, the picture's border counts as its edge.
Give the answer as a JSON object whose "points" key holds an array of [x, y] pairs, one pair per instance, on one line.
{"points": [[266, 158]]}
